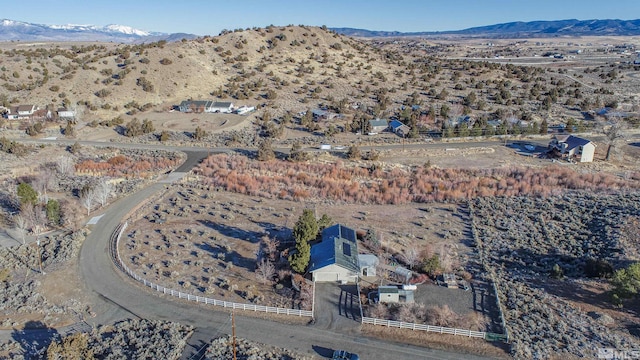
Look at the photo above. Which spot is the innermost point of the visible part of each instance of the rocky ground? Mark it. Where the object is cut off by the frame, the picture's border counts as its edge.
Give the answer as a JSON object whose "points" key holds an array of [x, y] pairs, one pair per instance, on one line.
{"points": [[521, 239], [222, 349], [23, 293]]}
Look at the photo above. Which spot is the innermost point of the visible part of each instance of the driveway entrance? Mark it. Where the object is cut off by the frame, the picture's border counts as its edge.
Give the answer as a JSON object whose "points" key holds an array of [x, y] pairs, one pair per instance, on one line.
{"points": [[337, 307]]}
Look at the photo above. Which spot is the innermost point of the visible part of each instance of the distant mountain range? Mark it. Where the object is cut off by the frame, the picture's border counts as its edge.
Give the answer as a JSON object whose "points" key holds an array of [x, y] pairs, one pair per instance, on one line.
{"points": [[519, 29], [11, 30]]}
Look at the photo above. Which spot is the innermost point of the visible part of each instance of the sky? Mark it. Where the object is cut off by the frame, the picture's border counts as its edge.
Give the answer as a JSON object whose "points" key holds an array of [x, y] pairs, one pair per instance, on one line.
{"points": [[202, 17]]}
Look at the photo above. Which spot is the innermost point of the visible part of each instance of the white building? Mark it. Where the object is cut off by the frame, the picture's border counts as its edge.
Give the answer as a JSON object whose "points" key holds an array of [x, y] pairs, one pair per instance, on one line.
{"points": [[573, 147], [221, 107]]}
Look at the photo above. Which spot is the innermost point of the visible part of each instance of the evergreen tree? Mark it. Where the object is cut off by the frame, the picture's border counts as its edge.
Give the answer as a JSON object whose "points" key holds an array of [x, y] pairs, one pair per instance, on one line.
{"points": [[69, 130], [164, 136], [265, 152], [324, 222], [26, 194], [296, 153], [53, 211], [300, 260], [626, 283], [544, 127], [305, 230], [199, 134], [354, 153]]}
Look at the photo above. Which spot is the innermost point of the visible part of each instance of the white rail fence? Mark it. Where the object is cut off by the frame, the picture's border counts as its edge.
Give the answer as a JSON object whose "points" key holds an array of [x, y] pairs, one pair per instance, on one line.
{"points": [[428, 328], [115, 253]]}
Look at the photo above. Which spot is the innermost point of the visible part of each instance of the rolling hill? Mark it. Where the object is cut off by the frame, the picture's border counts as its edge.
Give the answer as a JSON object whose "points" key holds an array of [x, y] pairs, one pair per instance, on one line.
{"points": [[520, 29]]}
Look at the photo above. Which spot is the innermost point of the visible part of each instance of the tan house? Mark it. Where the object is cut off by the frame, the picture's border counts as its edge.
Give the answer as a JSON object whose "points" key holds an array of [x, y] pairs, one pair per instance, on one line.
{"points": [[573, 148]]}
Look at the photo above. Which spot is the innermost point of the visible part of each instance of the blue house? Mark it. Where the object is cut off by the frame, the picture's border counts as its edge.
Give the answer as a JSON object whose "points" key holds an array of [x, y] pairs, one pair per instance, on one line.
{"points": [[335, 257], [399, 128]]}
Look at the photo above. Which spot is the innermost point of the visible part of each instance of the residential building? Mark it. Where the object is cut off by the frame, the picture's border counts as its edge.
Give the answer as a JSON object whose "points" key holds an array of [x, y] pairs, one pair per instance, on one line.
{"points": [[221, 107], [196, 106], [378, 125], [64, 113], [399, 128], [573, 148], [335, 257], [25, 111], [319, 114]]}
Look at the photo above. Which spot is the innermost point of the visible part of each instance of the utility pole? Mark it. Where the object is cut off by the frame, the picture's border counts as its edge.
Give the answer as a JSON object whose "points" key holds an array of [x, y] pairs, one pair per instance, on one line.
{"points": [[233, 332]]}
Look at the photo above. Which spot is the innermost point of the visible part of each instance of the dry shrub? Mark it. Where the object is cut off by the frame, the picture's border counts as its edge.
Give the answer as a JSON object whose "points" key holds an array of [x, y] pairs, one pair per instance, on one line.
{"points": [[442, 316], [265, 271], [378, 311], [124, 166], [473, 321], [356, 184]]}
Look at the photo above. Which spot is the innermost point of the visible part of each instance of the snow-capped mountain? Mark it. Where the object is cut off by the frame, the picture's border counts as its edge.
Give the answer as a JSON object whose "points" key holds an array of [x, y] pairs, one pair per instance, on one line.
{"points": [[24, 31]]}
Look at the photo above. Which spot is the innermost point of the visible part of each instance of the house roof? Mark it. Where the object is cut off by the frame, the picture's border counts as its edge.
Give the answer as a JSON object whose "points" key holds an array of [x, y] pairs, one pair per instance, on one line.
{"points": [[572, 141], [379, 122], [222, 104], [395, 124], [196, 103], [321, 113], [388, 290], [26, 107], [338, 246], [404, 129]]}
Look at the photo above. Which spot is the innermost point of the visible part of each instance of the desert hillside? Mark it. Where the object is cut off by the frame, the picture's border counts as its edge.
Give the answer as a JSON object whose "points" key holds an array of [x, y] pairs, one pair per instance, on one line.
{"points": [[294, 68]]}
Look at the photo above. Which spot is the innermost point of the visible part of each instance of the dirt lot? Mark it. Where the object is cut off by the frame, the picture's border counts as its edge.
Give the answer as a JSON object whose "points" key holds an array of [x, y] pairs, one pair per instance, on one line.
{"points": [[173, 121]]}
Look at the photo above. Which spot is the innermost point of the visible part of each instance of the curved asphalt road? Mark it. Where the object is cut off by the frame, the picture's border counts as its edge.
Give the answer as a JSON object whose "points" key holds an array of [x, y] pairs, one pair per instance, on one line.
{"points": [[117, 297]]}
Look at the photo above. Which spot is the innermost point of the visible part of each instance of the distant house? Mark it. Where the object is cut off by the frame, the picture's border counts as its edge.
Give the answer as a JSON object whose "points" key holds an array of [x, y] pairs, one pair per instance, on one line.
{"points": [[11, 113], [25, 111], [573, 147], [399, 128], [335, 258], [319, 114], [378, 125], [195, 106], [20, 112], [64, 113], [221, 107], [494, 123]]}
